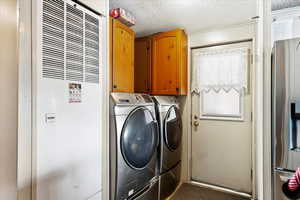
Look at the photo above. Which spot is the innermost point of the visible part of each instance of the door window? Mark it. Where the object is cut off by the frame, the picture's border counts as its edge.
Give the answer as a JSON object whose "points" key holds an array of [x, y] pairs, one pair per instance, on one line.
{"points": [[221, 80]]}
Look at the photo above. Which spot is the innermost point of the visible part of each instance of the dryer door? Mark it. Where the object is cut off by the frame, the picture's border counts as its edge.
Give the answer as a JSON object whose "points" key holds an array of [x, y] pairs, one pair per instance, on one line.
{"points": [[173, 128], [139, 138]]}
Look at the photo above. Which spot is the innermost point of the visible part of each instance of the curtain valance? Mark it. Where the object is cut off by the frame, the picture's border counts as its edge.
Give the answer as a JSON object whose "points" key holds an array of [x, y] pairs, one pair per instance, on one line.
{"points": [[220, 70]]}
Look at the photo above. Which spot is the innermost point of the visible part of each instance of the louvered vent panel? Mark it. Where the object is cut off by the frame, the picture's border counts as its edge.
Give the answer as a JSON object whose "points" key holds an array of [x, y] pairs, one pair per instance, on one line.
{"points": [[70, 43], [53, 39], [91, 49], [75, 44]]}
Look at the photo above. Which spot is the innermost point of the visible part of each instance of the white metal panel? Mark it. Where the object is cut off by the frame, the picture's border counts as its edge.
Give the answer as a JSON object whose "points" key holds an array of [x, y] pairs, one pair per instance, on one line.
{"points": [[68, 148]]}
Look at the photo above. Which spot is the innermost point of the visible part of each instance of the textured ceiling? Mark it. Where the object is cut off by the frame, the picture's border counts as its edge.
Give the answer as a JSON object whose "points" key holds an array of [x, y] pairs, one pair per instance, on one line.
{"points": [[280, 4], [193, 15]]}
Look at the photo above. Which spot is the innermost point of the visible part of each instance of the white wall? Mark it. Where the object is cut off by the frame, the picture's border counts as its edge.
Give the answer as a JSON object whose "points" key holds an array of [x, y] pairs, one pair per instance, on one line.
{"points": [[223, 34], [8, 99], [237, 32]]}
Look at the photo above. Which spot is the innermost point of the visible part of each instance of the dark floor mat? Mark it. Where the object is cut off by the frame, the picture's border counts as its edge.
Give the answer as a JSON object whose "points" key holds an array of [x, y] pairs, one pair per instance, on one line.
{"points": [[191, 192]]}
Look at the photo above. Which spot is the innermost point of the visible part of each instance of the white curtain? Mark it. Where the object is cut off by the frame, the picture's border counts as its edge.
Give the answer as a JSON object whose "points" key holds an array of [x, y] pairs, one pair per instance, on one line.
{"points": [[220, 70]]}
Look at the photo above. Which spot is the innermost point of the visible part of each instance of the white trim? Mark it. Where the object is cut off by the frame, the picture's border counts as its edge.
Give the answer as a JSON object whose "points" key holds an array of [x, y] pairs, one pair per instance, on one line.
{"points": [[221, 189], [105, 114], [254, 116], [263, 99], [24, 106], [35, 34], [266, 133]]}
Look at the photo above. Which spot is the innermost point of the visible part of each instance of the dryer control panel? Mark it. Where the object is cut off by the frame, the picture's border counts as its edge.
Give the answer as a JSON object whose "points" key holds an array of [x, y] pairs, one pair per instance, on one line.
{"points": [[133, 99]]}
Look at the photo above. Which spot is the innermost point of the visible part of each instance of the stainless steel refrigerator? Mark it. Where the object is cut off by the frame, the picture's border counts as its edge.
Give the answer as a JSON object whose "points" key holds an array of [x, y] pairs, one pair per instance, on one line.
{"points": [[285, 112]]}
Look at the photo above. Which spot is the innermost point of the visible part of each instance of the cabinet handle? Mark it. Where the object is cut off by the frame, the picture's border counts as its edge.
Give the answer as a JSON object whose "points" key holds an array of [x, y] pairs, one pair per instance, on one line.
{"points": [[115, 86]]}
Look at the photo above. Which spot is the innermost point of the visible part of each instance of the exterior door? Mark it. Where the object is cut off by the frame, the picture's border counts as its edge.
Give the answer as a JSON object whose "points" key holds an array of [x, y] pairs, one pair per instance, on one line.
{"points": [[221, 147], [139, 138]]}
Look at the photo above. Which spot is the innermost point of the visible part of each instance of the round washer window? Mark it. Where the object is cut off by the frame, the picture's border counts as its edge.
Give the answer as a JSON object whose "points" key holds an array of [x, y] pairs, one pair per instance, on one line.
{"points": [[173, 128], [139, 138]]}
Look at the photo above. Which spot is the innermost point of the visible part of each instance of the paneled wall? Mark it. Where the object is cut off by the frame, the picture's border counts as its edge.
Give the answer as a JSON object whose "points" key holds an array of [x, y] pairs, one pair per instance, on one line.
{"points": [[8, 99]]}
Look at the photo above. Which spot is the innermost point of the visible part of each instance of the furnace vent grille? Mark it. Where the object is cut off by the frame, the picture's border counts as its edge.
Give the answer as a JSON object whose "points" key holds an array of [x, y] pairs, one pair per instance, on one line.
{"points": [[74, 44], [53, 39], [91, 49], [70, 43]]}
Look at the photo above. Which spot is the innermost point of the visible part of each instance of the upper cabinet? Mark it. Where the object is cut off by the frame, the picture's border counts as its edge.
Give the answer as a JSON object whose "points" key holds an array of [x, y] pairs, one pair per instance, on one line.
{"points": [[122, 57], [161, 63], [142, 62]]}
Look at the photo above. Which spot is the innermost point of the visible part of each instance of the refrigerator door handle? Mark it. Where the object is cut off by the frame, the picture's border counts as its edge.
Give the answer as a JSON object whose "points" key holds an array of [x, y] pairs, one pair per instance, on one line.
{"points": [[295, 138], [294, 115]]}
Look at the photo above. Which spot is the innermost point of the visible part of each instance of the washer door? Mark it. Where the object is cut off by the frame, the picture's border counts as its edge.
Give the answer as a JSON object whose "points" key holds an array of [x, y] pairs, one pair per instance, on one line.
{"points": [[139, 138], [173, 128]]}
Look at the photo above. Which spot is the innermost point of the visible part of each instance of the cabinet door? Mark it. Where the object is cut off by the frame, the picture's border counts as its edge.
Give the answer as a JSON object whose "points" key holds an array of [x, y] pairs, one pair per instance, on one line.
{"points": [[123, 58], [142, 65], [165, 69]]}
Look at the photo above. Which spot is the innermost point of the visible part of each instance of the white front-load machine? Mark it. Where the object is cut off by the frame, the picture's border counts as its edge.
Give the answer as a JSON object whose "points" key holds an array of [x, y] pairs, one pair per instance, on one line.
{"points": [[170, 147], [134, 136]]}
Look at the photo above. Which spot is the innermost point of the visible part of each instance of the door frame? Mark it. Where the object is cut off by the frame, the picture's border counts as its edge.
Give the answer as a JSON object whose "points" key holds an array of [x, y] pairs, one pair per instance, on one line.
{"points": [[24, 145], [253, 152]]}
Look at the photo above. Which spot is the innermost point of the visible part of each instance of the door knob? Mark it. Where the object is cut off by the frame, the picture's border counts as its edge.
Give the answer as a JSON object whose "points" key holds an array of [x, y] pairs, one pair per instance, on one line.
{"points": [[196, 123]]}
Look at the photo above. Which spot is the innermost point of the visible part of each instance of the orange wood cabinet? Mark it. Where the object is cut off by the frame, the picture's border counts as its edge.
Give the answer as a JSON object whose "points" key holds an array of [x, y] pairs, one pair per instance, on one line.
{"points": [[169, 63], [142, 62], [121, 57]]}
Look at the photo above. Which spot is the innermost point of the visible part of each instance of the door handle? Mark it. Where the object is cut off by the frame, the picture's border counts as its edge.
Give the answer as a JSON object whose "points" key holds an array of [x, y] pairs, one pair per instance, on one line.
{"points": [[294, 115], [196, 123]]}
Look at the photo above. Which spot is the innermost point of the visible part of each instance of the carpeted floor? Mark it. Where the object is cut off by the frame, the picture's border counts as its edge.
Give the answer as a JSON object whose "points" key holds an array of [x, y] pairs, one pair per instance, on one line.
{"points": [[191, 192]]}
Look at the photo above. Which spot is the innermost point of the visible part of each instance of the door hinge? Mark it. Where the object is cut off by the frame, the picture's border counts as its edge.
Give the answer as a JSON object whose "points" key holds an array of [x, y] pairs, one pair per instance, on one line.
{"points": [[251, 116]]}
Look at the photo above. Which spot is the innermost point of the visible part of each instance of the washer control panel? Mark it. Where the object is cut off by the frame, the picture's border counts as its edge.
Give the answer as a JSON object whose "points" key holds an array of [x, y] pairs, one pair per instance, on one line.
{"points": [[125, 98]]}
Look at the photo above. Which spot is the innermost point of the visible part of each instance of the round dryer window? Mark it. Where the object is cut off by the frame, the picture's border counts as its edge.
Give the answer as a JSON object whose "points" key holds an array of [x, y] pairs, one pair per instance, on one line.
{"points": [[139, 138], [173, 128]]}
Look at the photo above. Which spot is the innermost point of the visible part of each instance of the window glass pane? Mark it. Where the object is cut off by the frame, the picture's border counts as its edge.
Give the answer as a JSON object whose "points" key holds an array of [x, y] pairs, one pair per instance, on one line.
{"points": [[221, 104]]}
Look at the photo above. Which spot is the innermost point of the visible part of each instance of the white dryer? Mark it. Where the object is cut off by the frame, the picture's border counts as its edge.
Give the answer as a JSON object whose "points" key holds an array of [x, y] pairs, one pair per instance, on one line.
{"points": [[170, 147], [134, 137]]}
